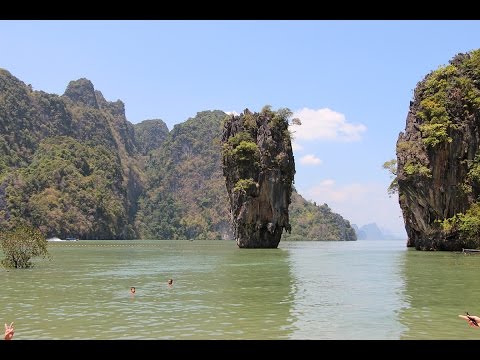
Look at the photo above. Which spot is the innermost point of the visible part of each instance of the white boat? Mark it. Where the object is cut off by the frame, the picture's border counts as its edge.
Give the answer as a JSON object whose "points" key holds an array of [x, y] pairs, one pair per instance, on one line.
{"points": [[55, 239]]}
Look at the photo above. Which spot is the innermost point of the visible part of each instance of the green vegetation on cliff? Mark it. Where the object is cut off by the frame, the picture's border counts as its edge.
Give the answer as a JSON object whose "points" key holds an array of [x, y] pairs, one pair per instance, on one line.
{"points": [[72, 165], [66, 164], [185, 197], [68, 188], [149, 135], [438, 158], [312, 222]]}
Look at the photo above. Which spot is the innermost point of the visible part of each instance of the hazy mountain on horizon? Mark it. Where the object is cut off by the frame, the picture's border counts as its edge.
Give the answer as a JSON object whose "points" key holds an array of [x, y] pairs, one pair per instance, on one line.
{"points": [[372, 231]]}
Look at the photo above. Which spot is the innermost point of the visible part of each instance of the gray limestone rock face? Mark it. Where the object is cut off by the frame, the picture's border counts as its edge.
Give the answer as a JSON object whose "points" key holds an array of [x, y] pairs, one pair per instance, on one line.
{"points": [[438, 157], [259, 169]]}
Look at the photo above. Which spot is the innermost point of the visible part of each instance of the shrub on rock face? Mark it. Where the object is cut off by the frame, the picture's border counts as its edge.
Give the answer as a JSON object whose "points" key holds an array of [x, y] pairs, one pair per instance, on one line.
{"points": [[20, 245]]}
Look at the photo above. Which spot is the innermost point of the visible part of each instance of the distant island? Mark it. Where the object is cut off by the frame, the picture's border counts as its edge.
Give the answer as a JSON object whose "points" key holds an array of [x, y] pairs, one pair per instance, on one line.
{"points": [[373, 232]]}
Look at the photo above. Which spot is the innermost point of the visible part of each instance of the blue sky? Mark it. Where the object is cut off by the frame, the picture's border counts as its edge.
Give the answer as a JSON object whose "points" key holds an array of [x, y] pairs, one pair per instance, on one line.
{"points": [[349, 81]]}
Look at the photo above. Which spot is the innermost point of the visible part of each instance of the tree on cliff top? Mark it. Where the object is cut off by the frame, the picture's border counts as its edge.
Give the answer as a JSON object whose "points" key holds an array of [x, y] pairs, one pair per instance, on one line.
{"points": [[391, 167]]}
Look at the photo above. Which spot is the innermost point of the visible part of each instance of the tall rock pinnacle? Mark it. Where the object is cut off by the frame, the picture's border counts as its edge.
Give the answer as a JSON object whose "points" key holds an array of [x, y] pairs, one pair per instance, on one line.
{"points": [[259, 170]]}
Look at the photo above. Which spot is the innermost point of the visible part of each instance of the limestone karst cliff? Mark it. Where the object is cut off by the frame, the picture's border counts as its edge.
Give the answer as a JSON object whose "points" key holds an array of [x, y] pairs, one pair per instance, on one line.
{"points": [[73, 165], [438, 158], [259, 168], [67, 162]]}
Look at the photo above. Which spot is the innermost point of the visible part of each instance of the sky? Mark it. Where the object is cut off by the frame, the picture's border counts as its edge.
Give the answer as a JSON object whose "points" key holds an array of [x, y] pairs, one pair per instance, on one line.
{"points": [[350, 83]]}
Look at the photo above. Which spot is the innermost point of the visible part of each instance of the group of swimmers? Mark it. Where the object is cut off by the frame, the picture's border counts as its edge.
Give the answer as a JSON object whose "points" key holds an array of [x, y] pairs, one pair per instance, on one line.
{"points": [[133, 290]]}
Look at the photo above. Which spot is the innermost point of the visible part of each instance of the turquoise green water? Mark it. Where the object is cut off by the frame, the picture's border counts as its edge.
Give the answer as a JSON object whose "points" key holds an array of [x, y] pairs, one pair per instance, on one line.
{"points": [[302, 290]]}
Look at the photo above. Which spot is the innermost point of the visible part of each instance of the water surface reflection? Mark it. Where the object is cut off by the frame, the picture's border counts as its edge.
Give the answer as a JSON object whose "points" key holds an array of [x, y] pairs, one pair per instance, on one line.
{"points": [[438, 287], [347, 290]]}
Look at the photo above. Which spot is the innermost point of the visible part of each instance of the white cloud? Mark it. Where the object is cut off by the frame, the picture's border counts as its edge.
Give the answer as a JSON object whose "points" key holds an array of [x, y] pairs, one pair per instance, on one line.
{"points": [[328, 191], [325, 124], [361, 204], [232, 113], [327, 182], [310, 159]]}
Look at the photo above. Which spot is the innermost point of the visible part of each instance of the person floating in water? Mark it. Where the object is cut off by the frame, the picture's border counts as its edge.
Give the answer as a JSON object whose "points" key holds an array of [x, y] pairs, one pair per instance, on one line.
{"points": [[170, 282], [9, 331], [473, 321], [132, 290]]}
